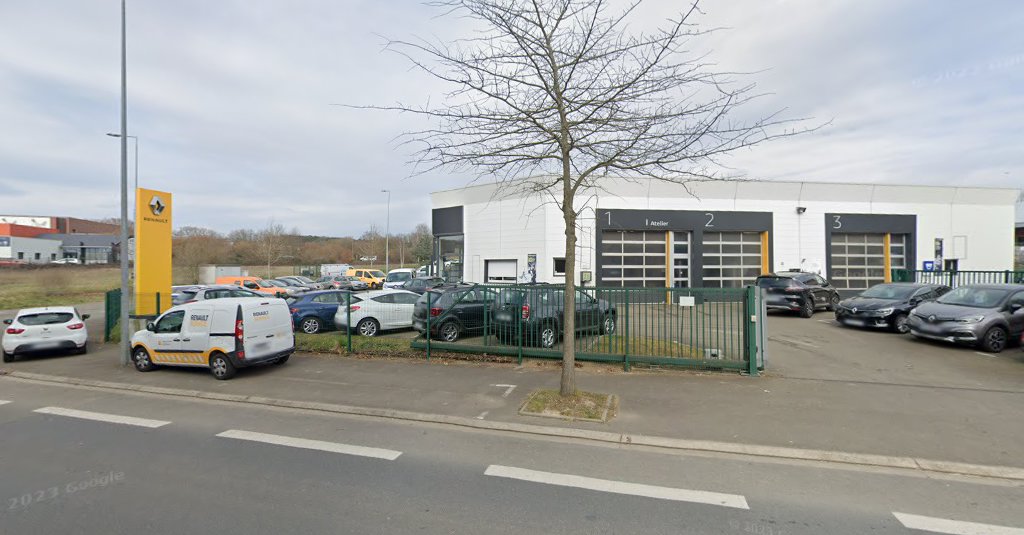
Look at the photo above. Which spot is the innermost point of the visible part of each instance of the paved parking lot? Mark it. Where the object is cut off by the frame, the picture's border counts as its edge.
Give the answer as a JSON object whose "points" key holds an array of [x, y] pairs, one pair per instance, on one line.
{"points": [[818, 348]]}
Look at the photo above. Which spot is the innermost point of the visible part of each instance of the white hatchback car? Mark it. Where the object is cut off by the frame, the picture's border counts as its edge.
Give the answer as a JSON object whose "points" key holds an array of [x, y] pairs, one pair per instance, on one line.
{"points": [[378, 310], [45, 329]]}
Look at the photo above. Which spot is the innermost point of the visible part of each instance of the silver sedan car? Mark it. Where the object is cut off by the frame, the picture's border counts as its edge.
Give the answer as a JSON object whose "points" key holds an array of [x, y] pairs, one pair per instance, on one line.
{"points": [[989, 316]]}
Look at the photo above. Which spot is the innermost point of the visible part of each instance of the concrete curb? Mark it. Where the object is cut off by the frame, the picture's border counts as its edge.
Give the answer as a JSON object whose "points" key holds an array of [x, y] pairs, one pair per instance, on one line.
{"points": [[798, 454]]}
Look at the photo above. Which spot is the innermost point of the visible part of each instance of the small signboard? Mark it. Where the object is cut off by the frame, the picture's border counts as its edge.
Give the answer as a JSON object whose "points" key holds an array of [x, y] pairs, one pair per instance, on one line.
{"points": [[928, 265]]}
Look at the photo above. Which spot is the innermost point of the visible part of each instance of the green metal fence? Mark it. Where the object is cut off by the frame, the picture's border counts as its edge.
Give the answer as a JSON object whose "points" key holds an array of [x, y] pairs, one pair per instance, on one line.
{"points": [[958, 278], [708, 328], [112, 311]]}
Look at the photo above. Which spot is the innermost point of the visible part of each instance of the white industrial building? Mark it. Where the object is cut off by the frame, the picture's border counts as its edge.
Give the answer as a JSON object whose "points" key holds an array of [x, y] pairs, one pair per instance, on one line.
{"points": [[29, 250], [724, 233]]}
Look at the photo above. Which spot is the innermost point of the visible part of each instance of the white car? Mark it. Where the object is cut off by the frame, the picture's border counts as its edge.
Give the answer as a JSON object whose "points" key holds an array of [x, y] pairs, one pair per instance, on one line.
{"points": [[70, 260], [378, 310], [398, 277], [45, 329]]}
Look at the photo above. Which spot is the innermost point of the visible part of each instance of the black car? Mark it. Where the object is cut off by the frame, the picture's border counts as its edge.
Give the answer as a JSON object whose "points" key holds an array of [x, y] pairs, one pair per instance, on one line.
{"points": [[454, 310], [798, 291], [536, 313], [887, 305], [422, 284]]}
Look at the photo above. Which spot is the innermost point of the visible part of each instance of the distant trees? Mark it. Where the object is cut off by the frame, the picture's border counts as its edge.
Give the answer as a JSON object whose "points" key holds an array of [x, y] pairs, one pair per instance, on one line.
{"points": [[274, 245]]}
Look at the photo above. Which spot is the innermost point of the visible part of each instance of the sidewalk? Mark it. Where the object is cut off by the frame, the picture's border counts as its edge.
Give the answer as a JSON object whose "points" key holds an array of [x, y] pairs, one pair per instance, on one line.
{"points": [[953, 424]]}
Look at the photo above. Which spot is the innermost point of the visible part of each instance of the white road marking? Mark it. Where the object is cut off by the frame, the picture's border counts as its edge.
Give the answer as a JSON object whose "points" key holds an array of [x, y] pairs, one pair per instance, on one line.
{"points": [[4, 402], [508, 389], [619, 487], [953, 527], [333, 447], [482, 415], [989, 355], [831, 322], [103, 417]]}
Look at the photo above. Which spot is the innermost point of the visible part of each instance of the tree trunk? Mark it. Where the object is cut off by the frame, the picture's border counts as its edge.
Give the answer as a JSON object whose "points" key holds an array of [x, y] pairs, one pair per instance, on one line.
{"points": [[568, 386]]}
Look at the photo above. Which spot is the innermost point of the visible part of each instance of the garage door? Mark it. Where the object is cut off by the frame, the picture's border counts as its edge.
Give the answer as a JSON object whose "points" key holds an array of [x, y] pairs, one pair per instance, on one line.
{"points": [[858, 260], [633, 258], [731, 259], [501, 271]]}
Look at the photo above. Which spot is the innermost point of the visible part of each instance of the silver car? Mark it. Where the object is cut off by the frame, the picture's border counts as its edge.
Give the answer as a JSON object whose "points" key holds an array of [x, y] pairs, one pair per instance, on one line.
{"points": [[988, 316]]}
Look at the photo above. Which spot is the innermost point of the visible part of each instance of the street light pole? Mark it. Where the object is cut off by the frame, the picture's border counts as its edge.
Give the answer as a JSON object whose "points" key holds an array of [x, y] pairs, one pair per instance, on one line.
{"points": [[387, 235], [126, 300]]}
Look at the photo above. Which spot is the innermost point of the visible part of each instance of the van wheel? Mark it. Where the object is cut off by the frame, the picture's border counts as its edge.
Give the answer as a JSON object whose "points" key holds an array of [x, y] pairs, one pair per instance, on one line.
{"points": [[221, 367], [449, 332], [142, 361], [311, 325], [368, 327], [994, 340]]}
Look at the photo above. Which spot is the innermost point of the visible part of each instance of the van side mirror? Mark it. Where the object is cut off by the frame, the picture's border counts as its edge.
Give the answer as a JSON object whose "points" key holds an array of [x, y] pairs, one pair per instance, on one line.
{"points": [[151, 327], [8, 322], [86, 316]]}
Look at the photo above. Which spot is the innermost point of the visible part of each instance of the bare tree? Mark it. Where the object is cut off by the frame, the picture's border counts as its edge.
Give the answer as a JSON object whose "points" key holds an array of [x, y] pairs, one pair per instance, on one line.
{"points": [[551, 96], [272, 244], [195, 246]]}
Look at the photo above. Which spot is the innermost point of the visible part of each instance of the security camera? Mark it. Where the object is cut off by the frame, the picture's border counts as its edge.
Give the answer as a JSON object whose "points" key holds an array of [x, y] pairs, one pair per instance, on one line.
{"points": [[801, 209]]}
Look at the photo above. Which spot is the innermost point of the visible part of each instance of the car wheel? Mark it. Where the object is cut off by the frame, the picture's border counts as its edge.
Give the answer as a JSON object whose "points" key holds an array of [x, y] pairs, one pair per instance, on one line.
{"points": [[449, 332], [994, 340], [548, 336], [368, 327], [833, 302], [807, 308], [8, 357], [311, 325], [899, 324], [82, 350], [281, 360], [140, 357], [608, 325], [221, 367]]}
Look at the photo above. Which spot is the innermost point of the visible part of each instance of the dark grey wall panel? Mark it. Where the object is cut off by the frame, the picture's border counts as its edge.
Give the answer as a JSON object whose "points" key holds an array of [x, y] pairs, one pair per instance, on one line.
{"points": [[446, 221]]}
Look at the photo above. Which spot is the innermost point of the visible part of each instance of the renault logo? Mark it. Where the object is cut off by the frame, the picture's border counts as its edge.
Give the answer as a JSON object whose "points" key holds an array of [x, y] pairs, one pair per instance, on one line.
{"points": [[931, 318], [854, 309], [156, 205]]}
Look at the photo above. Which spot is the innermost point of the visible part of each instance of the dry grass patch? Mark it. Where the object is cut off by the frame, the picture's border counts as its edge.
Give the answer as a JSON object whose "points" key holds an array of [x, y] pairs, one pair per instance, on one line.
{"points": [[579, 406], [55, 285]]}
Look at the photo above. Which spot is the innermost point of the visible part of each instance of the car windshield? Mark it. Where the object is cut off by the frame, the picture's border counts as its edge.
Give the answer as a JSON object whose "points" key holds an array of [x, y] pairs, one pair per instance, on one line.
{"points": [[376, 273], [305, 279], [889, 291], [279, 284], [974, 297], [774, 282], [46, 318], [264, 284], [399, 277]]}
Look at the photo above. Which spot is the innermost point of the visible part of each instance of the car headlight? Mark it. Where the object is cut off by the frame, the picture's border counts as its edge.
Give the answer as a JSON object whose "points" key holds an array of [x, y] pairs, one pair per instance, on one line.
{"points": [[970, 319], [884, 311]]}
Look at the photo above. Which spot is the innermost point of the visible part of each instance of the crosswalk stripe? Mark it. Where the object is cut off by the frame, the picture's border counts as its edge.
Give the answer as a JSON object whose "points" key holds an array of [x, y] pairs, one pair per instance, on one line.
{"points": [[304, 443], [953, 527], [102, 417], [619, 487]]}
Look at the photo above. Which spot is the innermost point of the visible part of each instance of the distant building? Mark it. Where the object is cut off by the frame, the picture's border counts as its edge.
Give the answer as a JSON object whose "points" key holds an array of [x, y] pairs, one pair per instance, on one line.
{"points": [[62, 225], [87, 248], [44, 239]]}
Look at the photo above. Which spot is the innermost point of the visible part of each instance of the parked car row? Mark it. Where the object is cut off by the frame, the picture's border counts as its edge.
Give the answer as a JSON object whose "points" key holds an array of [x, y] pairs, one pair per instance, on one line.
{"points": [[986, 316]]}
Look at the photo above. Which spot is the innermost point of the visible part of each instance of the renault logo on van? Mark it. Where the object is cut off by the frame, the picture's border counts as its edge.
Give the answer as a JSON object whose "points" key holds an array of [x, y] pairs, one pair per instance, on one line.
{"points": [[156, 205]]}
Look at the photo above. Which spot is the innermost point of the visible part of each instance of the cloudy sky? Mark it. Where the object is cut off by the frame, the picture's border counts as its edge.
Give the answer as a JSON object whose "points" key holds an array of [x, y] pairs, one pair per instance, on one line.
{"points": [[231, 100]]}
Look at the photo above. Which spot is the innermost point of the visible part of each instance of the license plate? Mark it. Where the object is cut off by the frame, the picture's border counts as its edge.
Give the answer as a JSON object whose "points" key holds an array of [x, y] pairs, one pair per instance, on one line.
{"points": [[854, 322], [261, 345], [503, 316]]}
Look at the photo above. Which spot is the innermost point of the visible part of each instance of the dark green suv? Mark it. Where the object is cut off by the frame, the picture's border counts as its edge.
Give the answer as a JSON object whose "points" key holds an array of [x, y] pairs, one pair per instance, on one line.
{"points": [[537, 314]]}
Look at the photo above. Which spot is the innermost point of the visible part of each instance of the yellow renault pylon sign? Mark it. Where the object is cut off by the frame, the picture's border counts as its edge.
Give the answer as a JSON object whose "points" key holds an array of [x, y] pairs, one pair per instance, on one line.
{"points": [[152, 251]]}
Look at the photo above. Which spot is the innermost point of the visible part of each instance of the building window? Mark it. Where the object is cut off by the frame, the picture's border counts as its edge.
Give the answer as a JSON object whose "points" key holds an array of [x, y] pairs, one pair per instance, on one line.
{"points": [[53, 256], [559, 266], [37, 256], [21, 256], [500, 271]]}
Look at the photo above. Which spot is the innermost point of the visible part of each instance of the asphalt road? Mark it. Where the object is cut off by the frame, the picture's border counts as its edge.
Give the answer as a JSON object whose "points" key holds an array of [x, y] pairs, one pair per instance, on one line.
{"points": [[196, 466]]}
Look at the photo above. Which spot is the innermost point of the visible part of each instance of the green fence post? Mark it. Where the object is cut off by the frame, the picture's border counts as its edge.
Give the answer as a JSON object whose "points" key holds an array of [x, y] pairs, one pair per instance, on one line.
{"points": [[519, 327], [158, 303], [751, 332], [348, 321], [428, 331], [628, 317]]}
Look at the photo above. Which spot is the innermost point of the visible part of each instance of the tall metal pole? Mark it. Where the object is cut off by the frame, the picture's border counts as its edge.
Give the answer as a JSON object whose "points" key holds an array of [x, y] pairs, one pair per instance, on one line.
{"points": [[135, 195], [126, 298], [387, 235]]}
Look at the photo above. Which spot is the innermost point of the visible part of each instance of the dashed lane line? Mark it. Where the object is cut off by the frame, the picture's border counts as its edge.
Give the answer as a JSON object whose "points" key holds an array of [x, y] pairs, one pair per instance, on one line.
{"points": [[619, 487], [103, 417], [4, 402], [953, 527], [304, 443]]}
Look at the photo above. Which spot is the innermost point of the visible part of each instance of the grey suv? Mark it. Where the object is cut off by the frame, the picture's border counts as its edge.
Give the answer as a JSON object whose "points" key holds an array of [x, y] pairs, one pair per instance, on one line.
{"points": [[988, 316]]}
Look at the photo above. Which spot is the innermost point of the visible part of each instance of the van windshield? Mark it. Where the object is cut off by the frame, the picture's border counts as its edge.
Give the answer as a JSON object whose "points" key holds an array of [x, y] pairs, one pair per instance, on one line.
{"points": [[399, 277], [378, 274]]}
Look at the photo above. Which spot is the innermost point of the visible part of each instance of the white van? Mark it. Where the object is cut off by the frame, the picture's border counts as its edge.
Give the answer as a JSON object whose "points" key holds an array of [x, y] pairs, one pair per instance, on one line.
{"points": [[398, 277], [220, 334]]}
